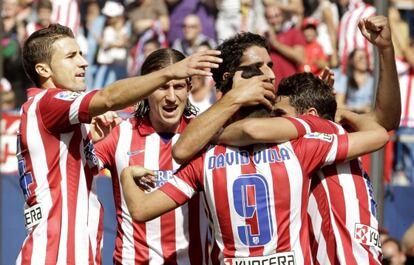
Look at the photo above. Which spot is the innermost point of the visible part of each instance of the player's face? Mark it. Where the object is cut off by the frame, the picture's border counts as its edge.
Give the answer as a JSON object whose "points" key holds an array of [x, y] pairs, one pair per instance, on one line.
{"points": [[167, 105], [282, 107], [259, 57], [68, 65]]}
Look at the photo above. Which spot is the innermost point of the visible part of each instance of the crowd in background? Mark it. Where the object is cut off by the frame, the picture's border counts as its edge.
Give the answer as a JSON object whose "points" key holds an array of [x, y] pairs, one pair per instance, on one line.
{"points": [[304, 35]]}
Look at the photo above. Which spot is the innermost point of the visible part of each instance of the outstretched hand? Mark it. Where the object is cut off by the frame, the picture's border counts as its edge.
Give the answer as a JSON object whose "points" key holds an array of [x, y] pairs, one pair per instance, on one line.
{"points": [[376, 29], [103, 124], [328, 76], [200, 63], [253, 91]]}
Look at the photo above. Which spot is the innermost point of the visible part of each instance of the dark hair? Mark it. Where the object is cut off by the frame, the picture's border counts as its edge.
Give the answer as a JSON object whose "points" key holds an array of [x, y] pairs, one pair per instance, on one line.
{"points": [[157, 60], [352, 84], [308, 91], [393, 240], [38, 48], [46, 4], [232, 50]]}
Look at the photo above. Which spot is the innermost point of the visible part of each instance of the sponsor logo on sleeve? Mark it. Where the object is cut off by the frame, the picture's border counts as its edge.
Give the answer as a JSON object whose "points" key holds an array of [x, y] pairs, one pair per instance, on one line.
{"points": [[283, 258], [321, 136], [367, 235], [67, 95]]}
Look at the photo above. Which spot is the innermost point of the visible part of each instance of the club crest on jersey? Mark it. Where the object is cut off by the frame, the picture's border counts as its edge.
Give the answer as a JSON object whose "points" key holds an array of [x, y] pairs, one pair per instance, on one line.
{"points": [[67, 95], [89, 152], [321, 136], [367, 235]]}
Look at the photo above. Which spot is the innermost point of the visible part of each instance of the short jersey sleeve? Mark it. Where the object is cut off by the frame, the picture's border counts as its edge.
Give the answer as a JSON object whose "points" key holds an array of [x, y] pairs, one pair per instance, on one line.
{"points": [[309, 123], [315, 150], [62, 109], [186, 182]]}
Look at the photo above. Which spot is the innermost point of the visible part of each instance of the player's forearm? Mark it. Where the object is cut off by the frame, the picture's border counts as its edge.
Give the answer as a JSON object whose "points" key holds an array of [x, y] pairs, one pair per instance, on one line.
{"points": [[258, 130], [133, 195], [126, 92], [387, 111], [364, 142], [203, 128]]}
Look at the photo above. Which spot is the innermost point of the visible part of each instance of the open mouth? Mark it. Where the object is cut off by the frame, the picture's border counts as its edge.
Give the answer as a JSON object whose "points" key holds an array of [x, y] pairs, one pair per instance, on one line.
{"points": [[169, 108], [80, 75]]}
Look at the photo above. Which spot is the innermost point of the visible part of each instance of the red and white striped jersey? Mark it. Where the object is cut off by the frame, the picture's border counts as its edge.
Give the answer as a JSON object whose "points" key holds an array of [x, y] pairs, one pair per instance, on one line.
{"points": [[349, 36], [57, 163], [342, 209], [177, 237], [406, 79], [67, 13], [257, 196]]}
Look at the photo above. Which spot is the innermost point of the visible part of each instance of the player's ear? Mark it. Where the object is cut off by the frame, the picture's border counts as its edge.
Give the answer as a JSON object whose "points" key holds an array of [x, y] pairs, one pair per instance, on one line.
{"points": [[225, 76], [43, 70], [312, 111]]}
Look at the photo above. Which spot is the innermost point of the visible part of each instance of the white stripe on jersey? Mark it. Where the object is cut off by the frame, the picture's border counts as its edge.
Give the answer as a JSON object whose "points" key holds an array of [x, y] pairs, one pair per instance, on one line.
{"points": [[63, 153], [347, 183], [304, 124], [40, 169], [330, 158], [186, 189], [316, 226], [74, 109], [81, 254], [153, 227]]}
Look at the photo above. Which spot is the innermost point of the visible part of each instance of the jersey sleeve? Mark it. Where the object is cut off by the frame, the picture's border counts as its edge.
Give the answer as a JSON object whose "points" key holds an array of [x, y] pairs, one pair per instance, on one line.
{"points": [[186, 182], [316, 150], [309, 123], [62, 109]]}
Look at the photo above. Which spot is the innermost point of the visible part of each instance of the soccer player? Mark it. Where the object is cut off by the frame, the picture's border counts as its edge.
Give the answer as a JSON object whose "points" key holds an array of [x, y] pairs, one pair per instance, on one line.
{"points": [[180, 236], [56, 156], [256, 196], [342, 209]]}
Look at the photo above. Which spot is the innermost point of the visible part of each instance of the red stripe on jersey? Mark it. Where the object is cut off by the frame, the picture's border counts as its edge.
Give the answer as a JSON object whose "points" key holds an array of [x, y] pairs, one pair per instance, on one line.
{"points": [[338, 200], [195, 248], [222, 205], [323, 209], [140, 235], [281, 187], [84, 107], [72, 193], [26, 252]]}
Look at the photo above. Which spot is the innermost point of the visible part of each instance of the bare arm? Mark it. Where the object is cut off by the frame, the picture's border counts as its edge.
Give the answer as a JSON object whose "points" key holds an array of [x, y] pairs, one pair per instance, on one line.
{"points": [[143, 206], [369, 135], [258, 130], [252, 91], [125, 92], [387, 110]]}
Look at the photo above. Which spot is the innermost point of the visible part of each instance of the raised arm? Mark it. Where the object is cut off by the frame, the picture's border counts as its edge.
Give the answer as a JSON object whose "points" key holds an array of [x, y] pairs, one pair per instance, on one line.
{"points": [[125, 92], [245, 92], [143, 206], [387, 110]]}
